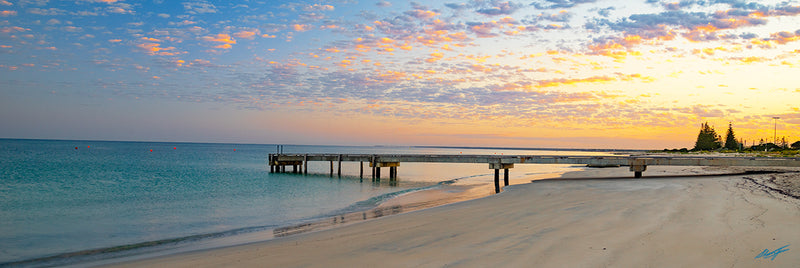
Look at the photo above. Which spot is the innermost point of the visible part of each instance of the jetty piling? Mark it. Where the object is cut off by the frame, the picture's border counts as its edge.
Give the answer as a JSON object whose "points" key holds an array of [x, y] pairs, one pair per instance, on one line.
{"points": [[339, 170]]}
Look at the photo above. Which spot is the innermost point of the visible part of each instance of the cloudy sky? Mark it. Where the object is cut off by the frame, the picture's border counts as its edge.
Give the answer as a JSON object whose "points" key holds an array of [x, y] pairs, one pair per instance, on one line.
{"points": [[532, 73]]}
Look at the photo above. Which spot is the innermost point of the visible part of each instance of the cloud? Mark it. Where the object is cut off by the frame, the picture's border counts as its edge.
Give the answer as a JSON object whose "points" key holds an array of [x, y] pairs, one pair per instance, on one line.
{"points": [[246, 34], [220, 38], [154, 49], [318, 7], [605, 12], [13, 29], [301, 27], [119, 8], [497, 8], [556, 4], [47, 12], [594, 79], [8, 13], [456, 6], [484, 29], [383, 3], [200, 7], [33, 2], [561, 16], [71, 29], [785, 37], [421, 14]]}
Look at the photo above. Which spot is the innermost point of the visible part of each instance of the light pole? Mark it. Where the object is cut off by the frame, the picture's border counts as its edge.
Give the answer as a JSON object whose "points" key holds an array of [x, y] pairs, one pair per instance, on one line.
{"points": [[775, 130]]}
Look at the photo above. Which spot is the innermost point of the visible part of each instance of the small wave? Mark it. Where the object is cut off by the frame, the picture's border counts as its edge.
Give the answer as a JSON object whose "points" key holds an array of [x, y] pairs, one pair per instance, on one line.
{"points": [[83, 256], [377, 200]]}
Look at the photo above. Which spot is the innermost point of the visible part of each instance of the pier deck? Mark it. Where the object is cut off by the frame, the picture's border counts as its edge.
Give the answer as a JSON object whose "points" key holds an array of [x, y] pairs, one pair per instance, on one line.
{"points": [[637, 163]]}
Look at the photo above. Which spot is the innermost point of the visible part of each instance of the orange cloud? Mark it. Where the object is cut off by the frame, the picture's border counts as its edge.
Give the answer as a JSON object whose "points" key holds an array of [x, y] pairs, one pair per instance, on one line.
{"points": [[221, 38], [484, 30], [422, 14], [156, 49], [150, 39], [784, 37], [6, 13], [752, 59], [246, 34], [434, 57], [13, 29], [391, 77], [301, 27], [563, 81], [480, 68], [345, 63]]}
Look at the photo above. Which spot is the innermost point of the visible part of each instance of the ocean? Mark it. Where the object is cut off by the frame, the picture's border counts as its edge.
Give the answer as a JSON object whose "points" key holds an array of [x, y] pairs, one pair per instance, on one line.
{"points": [[67, 202]]}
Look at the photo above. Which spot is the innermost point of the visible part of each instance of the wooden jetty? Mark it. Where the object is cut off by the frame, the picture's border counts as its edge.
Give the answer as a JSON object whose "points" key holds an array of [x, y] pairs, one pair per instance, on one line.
{"points": [[636, 163]]}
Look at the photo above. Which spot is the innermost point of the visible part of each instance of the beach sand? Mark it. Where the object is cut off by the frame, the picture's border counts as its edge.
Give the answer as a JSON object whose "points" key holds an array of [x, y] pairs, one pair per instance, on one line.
{"points": [[593, 218]]}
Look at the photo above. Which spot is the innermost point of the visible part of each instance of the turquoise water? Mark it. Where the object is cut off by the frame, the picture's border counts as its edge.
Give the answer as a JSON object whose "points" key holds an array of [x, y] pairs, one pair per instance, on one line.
{"points": [[72, 196]]}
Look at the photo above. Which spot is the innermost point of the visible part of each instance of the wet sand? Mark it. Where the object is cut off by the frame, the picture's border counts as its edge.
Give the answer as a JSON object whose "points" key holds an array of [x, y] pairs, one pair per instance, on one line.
{"points": [[664, 219]]}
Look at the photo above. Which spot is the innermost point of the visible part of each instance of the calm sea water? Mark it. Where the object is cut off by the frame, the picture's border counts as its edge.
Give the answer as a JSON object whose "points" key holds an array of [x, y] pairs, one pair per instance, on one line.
{"points": [[60, 197]]}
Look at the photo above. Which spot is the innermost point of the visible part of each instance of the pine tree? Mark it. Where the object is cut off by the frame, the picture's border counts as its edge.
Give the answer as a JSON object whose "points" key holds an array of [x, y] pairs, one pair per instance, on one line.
{"points": [[730, 139], [707, 139]]}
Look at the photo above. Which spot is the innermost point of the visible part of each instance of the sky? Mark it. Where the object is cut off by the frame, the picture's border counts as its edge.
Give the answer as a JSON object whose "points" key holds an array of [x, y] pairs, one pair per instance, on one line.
{"points": [[532, 73]]}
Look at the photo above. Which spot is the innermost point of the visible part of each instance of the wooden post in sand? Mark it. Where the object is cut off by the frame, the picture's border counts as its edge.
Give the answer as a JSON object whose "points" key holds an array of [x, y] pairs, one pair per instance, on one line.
{"points": [[496, 180], [339, 171], [361, 170], [331, 168], [497, 167], [372, 165], [637, 166]]}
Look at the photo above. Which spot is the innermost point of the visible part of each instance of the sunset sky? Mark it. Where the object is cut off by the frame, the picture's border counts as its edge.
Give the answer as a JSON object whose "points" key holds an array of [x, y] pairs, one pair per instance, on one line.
{"points": [[551, 73]]}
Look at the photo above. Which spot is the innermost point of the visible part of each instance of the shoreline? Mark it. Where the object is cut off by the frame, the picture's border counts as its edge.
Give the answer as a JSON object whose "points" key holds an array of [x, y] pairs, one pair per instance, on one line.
{"points": [[434, 196], [634, 222]]}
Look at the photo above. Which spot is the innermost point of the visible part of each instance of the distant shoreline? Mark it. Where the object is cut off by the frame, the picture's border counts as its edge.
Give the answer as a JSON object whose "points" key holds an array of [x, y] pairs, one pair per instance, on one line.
{"points": [[534, 149]]}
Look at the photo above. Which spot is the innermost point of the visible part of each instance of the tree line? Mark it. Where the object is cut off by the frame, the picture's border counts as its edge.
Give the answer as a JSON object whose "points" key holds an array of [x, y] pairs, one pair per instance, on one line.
{"points": [[708, 140]]}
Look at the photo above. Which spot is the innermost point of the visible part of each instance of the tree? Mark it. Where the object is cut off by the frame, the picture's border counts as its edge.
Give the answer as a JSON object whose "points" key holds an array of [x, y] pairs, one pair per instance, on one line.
{"points": [[796, 145], [730, 139], [707, 139]]}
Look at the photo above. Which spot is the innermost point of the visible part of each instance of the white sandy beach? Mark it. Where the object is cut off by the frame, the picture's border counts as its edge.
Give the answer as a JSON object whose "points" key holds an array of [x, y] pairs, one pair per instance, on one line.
{"points": [[611, 220]]}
